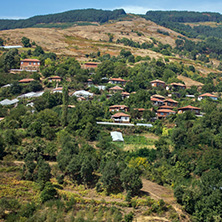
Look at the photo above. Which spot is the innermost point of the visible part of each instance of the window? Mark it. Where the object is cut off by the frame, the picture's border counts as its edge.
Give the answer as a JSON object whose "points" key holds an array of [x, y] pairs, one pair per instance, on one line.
{"points": [[34, 63], [126, 118], [30, 63], [21, 62], [38, 63]]}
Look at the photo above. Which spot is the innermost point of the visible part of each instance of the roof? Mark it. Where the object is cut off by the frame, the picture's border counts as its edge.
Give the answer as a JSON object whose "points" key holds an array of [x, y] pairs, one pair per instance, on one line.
{"points": [[54, 77], [116, 88], [188, 107], [170, 100], [177, 84], [117, 136], [26, 80], [120, 115], [157, 80], [81, 93], [155, 99], [165, 111], [117, 79], [125, 93], [30, 60], [139, 109], [31, 94], [157, 96], [118, 106], [7, 102], [166, 107], [208, 95]]}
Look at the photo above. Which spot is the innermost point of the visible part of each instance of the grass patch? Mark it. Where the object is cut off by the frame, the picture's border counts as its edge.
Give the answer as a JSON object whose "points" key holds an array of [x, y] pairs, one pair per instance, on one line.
{"points": [[134, 142]]}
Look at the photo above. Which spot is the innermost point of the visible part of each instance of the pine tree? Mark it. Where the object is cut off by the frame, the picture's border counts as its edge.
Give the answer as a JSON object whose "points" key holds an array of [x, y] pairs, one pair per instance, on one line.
{"points": [[65, 100]]}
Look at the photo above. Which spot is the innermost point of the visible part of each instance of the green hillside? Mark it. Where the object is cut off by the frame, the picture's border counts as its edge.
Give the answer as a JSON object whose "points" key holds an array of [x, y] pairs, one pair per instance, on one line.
{"points": [[87, 15]]}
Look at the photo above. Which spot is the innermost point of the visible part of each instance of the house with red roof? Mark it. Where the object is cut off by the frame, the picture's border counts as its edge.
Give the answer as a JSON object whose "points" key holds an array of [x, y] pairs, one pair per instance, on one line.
{"points": [[166, 107], [54, 79], [158, 97], [163, 113], [117, 81], [121, 118], [158, 83], [196, 110], [125, 95], [176, 86], [90, 65], [170, 102], [207, 95], [30, 64], [157, 102], [117, 108], [115, 89]]}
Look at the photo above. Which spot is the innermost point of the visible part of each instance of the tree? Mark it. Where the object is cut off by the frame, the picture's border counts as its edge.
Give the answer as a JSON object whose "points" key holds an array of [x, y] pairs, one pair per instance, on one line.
{"points": [[38, 51], [48, 193], [26, 42], [1, 42], [44, 172], [2, 148], [65, 101], [86, 170], [131, 181], [111, 176]]}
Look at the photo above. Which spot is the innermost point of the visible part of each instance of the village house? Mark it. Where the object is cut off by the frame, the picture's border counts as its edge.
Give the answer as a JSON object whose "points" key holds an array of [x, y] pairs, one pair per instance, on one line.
{"points": [[54, 79], [121, 118], [57, 90], [175, 86], [196, 110], [125, 95], [170, 102], [30, 64], [26, 80], [90, 65], [117, 108], [117, 81], [207, 95], [158, 83], [157, 102], [158, 97], [163, 113], [115, 89]]}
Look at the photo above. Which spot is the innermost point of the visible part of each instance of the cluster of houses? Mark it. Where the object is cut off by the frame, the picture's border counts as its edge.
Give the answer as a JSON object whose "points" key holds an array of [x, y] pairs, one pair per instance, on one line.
{"points": [[164, 106]]}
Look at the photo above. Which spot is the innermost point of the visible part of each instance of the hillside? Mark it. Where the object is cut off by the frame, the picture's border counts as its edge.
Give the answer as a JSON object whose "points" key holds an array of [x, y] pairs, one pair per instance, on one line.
{"points": [[90, 15]]}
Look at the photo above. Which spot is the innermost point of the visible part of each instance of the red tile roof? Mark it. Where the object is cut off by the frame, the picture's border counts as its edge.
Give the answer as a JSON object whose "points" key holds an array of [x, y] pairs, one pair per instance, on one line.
{"points": [[54, 77], [157, 96], [125, 93], [26, 80], [156, 100], [166, 107], [116, 88], [118, 106], [188, 107], [208, 95], [117, 79], [120, 114], [170, 100], [165, 111], [30, 60]]}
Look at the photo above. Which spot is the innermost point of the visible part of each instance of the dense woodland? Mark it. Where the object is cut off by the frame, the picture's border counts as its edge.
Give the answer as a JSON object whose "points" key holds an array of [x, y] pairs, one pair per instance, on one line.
{"points": [[86, 15], [53, 153]]}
